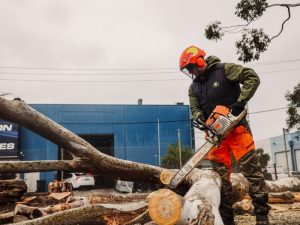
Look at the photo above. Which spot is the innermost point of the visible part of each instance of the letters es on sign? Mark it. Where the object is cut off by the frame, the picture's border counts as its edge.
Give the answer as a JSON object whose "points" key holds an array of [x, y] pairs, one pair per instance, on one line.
{"points": [[9, 139]]}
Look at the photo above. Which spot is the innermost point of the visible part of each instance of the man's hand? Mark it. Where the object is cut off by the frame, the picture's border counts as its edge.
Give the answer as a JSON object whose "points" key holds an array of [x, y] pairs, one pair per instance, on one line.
{"points": [[236, 108], [200, 121]]}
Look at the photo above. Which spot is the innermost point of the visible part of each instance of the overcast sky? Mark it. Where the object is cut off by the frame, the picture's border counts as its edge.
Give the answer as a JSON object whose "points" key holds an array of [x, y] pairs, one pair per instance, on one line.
{"points": [[117, 51]]}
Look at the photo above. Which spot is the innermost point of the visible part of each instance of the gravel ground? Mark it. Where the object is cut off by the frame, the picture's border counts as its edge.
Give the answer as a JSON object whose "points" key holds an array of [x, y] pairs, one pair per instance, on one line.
{"points": [[280, 214]]}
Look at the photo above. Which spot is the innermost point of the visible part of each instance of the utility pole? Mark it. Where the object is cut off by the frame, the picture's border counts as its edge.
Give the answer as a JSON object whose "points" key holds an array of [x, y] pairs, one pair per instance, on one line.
{"points": [[286, 155], [158, 140], [179, 148]]}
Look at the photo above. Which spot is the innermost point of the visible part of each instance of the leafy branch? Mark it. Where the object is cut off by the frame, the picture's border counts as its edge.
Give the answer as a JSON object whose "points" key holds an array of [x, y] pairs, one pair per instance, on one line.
{"points": [[254, 41]]}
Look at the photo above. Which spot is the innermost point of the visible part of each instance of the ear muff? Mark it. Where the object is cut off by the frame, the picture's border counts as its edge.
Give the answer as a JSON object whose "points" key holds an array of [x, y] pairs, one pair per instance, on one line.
{"points": [[200, 62]]}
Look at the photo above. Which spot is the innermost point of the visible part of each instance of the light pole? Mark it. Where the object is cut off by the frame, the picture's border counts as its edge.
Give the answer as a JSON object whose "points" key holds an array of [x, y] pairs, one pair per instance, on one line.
{"points": [[285, 149], [179, 148], [158, 140]]}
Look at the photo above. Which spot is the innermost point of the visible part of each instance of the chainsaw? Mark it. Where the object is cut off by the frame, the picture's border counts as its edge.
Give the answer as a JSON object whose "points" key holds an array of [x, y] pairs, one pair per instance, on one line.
{"points": [[217, 127]]}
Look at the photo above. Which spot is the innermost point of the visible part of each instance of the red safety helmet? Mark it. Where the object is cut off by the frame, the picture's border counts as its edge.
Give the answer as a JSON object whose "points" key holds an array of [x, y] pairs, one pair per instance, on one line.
{"points": [[191, 56]]}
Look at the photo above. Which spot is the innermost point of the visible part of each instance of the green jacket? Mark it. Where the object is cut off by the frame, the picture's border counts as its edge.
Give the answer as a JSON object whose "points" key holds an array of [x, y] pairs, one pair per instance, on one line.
{"points": [[233, 72]]}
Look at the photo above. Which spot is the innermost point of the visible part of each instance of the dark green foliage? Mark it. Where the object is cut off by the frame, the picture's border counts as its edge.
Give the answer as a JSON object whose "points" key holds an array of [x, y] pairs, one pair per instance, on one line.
{"points": [[263, 159], [253, 42], [213, 31], [251, 9], [293, 111], [171, 158]]}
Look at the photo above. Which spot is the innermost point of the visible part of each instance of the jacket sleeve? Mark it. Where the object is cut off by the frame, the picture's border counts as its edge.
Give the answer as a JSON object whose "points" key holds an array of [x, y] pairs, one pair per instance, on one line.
{"points": [[194, 104], [245, 76]]}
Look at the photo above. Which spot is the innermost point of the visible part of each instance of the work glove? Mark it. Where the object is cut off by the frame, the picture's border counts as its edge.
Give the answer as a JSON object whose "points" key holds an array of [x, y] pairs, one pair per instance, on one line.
{"points": [[236, 108]]}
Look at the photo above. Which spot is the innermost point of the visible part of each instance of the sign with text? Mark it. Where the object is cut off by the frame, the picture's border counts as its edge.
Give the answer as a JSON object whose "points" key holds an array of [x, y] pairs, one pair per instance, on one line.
{"points": [[9, 140]]}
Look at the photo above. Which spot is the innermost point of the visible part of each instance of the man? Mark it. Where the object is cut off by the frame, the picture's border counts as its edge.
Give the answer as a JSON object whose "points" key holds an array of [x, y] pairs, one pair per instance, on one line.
{"points": [[215, 83]]}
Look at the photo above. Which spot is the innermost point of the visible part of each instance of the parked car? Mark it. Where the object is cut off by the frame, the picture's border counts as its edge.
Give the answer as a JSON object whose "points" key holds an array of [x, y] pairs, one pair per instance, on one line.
{"points": [[79, 179]]}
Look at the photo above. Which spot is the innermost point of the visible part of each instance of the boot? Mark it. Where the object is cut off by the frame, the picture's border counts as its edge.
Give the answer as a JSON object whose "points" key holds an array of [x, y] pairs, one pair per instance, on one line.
{"points": [[262, 220]]}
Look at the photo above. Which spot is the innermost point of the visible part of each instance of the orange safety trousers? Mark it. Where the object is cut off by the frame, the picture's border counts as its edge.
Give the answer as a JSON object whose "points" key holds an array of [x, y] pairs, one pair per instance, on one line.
{"points": [[238, 143]]}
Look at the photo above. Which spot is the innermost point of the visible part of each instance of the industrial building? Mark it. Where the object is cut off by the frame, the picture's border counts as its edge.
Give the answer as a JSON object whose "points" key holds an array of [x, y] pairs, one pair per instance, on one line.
{"points": [[138, 133], [284, 151]]}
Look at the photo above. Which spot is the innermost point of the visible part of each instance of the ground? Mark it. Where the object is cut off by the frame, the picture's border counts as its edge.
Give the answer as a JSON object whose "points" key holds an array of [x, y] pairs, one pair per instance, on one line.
{"points": [[280, 214]]}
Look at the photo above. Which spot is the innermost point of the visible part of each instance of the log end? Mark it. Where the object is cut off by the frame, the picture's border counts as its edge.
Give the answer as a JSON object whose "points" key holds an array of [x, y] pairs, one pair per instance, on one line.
{"points": [[166, 176], [164, 207]]}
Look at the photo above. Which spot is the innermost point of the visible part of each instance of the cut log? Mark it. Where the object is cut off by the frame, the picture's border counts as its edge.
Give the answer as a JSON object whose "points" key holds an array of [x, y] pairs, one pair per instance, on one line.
{"points": [[240, 186], [11, 190], [200, 205], [243, 207]]}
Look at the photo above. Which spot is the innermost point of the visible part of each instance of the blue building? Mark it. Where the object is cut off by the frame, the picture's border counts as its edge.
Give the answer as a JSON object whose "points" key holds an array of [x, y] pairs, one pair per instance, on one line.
{"points": [[138, 133]]}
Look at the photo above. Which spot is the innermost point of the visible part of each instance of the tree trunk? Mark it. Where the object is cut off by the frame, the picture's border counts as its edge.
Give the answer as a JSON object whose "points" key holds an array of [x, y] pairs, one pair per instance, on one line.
{"points": [[200, 205], [77, 165], [19, 112], [11, 190], [284, 184]]}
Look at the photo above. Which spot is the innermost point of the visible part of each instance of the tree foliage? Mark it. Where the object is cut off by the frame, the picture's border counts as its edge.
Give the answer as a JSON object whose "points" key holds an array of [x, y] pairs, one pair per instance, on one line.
{"points": [[249, 10], [171, 158], [293, 120], [263, 159], [254, 41], [252, 44]]}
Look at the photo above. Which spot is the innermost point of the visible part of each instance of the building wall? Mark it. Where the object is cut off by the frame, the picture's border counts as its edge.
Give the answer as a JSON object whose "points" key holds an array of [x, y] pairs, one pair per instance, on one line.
{"points": [[278, 154], [265, 144], [134, 129]]}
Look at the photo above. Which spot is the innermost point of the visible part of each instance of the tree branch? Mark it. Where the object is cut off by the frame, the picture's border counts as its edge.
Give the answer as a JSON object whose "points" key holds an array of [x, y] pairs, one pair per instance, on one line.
{"points": [[19, 112], [282, 25], [45, 165]]}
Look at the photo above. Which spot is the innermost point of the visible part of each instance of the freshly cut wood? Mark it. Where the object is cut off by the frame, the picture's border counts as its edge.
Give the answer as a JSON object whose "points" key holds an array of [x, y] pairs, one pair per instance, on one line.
{"points": [[141, 219], [59, 196], [200, 205], [165, 207], [285, 197], [243, 207], [11, 190], [57, 186], [26, 200]]}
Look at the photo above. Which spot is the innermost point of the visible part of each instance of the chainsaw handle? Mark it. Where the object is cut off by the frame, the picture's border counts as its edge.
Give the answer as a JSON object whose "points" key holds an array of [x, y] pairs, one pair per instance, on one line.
{"points": [[202, 126]]}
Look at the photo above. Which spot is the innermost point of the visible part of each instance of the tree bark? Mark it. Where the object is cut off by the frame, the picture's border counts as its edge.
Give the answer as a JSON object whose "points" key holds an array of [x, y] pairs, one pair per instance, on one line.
{"points": [[284, 184], [77, 165], [89, 214], [19, 112], [11, 190], [7, 217], [200, 205]]}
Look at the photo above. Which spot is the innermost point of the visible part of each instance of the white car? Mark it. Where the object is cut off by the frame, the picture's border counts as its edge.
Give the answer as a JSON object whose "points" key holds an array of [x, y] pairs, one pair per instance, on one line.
{"points": [[80, 179]]}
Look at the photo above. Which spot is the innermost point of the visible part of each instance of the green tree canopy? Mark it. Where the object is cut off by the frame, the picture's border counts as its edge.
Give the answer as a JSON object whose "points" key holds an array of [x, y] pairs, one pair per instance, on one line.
{"points": [[171, 158], [293, 120], [254, 41], [263, 159]]}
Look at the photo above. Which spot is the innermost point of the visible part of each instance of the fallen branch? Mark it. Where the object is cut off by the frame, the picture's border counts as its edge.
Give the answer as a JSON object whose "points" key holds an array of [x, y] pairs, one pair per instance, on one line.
{"points": [[92, 214]]}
